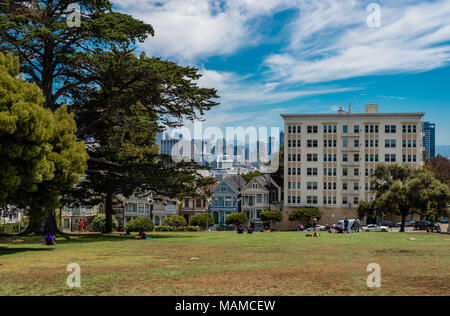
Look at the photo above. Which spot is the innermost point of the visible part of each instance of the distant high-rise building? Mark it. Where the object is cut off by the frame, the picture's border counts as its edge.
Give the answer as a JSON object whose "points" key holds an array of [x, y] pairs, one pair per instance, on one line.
{"points": [[281, 138], [261, 154], [167, 145], [429, 140]]}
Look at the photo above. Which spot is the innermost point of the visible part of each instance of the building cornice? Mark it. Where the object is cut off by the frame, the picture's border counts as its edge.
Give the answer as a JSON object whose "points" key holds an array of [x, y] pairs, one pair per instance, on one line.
{"points": [[355, 115]]}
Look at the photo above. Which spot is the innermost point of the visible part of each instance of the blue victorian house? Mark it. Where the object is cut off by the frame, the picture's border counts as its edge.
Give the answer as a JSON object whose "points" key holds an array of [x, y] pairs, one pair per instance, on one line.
{"points": [[224, 198]]}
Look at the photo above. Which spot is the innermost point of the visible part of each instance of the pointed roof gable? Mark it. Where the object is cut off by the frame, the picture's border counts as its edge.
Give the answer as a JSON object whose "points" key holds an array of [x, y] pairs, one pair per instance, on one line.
{"points": [[234, 182]]}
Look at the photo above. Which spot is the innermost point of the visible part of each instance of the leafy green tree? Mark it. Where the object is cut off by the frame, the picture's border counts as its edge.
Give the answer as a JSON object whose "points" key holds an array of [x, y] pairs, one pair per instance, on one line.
{"points": [[390, 182], [236, 219], [39, 153], [140, 224], [307, 213], [440, 166], [368, 209], [271, 216], [99, 223], [403, 191], [175, 221], [428, 196], [204, 220]]}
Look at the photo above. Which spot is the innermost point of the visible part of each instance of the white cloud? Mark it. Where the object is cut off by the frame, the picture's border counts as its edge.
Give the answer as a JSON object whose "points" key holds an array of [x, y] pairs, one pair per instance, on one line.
{"points": [[333, 42], [193, 29]]}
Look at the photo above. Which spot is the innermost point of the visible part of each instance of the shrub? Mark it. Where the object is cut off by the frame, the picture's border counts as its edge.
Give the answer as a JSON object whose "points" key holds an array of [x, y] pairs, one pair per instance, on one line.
{"points": [[99, 223], [177, 229], [271, 216], [175, 221], [236, 219], [140, 224], [203, 220]]}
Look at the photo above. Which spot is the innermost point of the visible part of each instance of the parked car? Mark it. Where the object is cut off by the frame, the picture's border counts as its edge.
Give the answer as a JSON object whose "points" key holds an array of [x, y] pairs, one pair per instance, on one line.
{"points": [[385, 223], [375, 228], [409, 223], [423, 225]]}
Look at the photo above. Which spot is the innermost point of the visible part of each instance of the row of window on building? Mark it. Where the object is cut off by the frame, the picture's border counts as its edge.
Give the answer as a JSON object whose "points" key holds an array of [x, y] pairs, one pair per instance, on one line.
{"points": [[345, 158], [368, 128], [328, 186], [369, 143], [313, 200]]}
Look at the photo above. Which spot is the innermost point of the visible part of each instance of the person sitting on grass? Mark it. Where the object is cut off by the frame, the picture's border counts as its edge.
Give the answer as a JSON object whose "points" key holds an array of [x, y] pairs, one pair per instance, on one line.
{"points": [[142, 235], [250, 230], [49, 240]]}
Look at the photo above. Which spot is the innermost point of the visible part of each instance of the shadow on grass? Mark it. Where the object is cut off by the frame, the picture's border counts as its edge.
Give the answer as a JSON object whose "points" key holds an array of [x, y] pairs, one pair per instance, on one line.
{"points": [[63, 239], [88, 238], [11, 251]]}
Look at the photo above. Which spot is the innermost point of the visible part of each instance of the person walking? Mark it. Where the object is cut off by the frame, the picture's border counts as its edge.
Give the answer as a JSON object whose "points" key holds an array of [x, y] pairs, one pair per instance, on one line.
{"points": [[346, 224], [81, 224]]}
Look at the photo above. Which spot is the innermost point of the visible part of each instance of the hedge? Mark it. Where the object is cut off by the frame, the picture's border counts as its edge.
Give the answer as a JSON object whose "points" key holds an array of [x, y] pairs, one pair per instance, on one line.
{"points": [[177, 229]]}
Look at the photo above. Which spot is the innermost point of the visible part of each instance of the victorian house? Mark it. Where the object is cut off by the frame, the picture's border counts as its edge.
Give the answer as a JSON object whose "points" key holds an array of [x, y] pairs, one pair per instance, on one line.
{"points": [[136, 206], [260, 194], [225, 198], [164, 207]]}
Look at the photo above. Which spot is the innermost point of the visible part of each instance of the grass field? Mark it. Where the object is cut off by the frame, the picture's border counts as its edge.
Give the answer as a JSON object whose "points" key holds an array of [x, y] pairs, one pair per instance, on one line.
{"points": [[284, 263]]}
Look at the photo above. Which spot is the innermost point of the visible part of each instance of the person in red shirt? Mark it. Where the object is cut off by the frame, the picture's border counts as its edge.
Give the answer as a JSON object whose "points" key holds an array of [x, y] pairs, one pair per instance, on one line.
{"points": [[81, 226]]}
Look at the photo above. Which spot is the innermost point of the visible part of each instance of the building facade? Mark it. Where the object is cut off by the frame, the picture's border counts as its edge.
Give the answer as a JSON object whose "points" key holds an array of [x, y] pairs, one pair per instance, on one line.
{"points": [[329, 158], [191, 206], [163, 207], [258, 195], [225, 198], [71, 217], [429, 140], [136, 206]]}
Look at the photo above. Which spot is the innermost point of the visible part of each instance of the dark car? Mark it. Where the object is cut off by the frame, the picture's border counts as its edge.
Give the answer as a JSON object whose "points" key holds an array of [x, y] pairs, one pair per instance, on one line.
{"points": [[385, 223], [409, 223], [423, 225]]}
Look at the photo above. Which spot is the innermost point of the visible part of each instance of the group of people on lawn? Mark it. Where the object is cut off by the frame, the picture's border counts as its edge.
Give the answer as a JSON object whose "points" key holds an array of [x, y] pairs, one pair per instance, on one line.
{"points": [[339, 229]]}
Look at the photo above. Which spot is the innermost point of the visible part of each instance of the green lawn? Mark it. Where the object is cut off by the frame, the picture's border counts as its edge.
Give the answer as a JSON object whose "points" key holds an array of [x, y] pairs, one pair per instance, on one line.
{"points": [[285, 263]]}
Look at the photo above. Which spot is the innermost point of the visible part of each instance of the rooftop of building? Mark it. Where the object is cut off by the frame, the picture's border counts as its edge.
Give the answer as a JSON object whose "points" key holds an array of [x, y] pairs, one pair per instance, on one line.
{"points": [[370, 111]]}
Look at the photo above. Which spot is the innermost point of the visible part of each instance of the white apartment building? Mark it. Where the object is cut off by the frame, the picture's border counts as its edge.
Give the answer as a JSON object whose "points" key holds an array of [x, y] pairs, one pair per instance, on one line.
{"points": [[329, 157]]}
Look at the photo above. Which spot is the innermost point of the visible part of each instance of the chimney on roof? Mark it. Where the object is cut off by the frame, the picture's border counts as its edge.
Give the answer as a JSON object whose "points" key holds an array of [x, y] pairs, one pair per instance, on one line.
{"points": [[371, 108], [350, 107]]}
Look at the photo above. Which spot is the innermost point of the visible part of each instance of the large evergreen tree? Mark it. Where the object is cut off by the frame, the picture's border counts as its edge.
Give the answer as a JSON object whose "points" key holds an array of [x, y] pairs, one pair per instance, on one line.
{"points": [[135, 96], [39, 153]]}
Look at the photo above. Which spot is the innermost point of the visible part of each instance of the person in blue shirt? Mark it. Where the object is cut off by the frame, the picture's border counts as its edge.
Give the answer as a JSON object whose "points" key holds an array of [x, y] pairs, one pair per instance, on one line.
{"points": [[346, 224]]}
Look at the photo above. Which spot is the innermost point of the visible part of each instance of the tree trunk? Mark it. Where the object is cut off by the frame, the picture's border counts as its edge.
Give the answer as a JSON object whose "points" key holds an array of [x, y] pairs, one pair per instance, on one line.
{"points": [[43, 225], [108, 213], [402, 229]]}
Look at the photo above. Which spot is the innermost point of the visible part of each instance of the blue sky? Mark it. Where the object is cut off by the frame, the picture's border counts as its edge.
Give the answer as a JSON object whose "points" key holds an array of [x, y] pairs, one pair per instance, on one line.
{"points": [[268, 57]]}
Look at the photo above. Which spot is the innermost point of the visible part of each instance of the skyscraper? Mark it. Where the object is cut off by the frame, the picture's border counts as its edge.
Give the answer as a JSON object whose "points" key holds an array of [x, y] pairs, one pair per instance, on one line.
{"points": [[429, 140]]}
